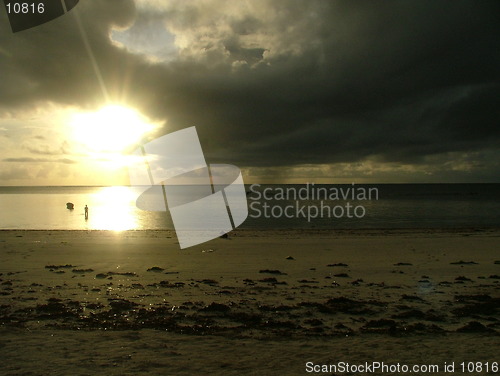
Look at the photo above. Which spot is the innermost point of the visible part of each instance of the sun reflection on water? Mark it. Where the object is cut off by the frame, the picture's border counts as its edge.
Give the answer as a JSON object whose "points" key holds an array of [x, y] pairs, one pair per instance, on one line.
{"points": [[113, 208]]}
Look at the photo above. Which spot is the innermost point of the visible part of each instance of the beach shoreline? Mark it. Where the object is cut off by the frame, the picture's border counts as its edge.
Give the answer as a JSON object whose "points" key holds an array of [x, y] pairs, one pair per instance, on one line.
{"points": [[310, 291]]}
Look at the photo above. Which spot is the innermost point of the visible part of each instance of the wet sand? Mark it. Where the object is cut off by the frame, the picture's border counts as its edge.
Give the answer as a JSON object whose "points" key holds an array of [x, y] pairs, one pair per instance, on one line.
{"points": [[260, 302]]}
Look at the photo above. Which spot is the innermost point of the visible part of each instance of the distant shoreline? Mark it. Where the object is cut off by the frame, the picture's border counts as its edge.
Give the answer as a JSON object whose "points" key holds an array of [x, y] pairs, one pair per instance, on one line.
{"points": [[340, 231], [249, 184]]}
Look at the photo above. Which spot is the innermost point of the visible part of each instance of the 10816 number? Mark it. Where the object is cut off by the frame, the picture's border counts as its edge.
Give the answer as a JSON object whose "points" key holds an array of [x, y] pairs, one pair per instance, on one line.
{"points": [[25, 8], [478, 367]]}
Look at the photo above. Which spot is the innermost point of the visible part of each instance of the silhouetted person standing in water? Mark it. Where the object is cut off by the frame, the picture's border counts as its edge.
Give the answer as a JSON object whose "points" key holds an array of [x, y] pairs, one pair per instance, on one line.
{"points": [[86, 212]]}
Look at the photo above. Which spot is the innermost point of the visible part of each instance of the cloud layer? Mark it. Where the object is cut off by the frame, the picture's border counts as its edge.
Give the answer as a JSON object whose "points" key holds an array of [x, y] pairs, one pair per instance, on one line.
{"points": [[393, 90]]}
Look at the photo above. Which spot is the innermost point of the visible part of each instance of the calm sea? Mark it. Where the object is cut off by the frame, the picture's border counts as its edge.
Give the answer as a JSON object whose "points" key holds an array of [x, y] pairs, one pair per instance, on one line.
{"points": [[270, 206]]}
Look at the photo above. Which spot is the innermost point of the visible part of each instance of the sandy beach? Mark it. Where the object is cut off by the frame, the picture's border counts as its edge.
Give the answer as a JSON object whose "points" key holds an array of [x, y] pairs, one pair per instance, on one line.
{"points": [[260, 302]]}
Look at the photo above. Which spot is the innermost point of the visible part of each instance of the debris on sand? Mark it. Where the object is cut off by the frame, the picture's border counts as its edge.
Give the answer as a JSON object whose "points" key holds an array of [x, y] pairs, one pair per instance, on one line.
{"points": [[272, 271], [110, 274], [306, 281], [314, 322], [168, 284], [475, 307], [412, 298], [127, 274], [80, 271], [122, 305], [155, 269], [56, 267], [338, 264], [380, 326], [475, 298], [410, 314], [273, 281], [463, 279], [474, 327], [215, 307]]}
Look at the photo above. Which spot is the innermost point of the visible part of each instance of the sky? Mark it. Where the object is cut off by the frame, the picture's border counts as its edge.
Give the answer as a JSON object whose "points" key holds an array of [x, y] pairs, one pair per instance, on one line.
{"points": [[290, 91]]}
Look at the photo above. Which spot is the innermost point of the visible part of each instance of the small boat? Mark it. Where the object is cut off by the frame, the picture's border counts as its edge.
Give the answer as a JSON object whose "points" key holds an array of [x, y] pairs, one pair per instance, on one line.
{"points": [[70, 206]]}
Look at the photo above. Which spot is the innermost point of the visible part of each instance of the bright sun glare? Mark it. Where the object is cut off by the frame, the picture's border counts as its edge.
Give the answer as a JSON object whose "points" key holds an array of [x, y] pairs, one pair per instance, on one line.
{"points": [[111, 129]]}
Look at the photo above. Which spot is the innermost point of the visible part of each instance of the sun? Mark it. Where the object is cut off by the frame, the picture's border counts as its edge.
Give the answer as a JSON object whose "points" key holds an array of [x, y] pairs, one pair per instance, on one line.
{"points": [[112, 129]]}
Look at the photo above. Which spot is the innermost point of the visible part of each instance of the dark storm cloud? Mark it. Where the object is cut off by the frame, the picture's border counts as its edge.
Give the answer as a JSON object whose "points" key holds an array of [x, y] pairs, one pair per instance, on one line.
{"points": [[285, 83], [396, 80], [50, 63]]}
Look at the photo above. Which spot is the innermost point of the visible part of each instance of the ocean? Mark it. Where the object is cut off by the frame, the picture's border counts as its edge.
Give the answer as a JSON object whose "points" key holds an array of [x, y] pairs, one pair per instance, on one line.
{"points": [[348, 206]]}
